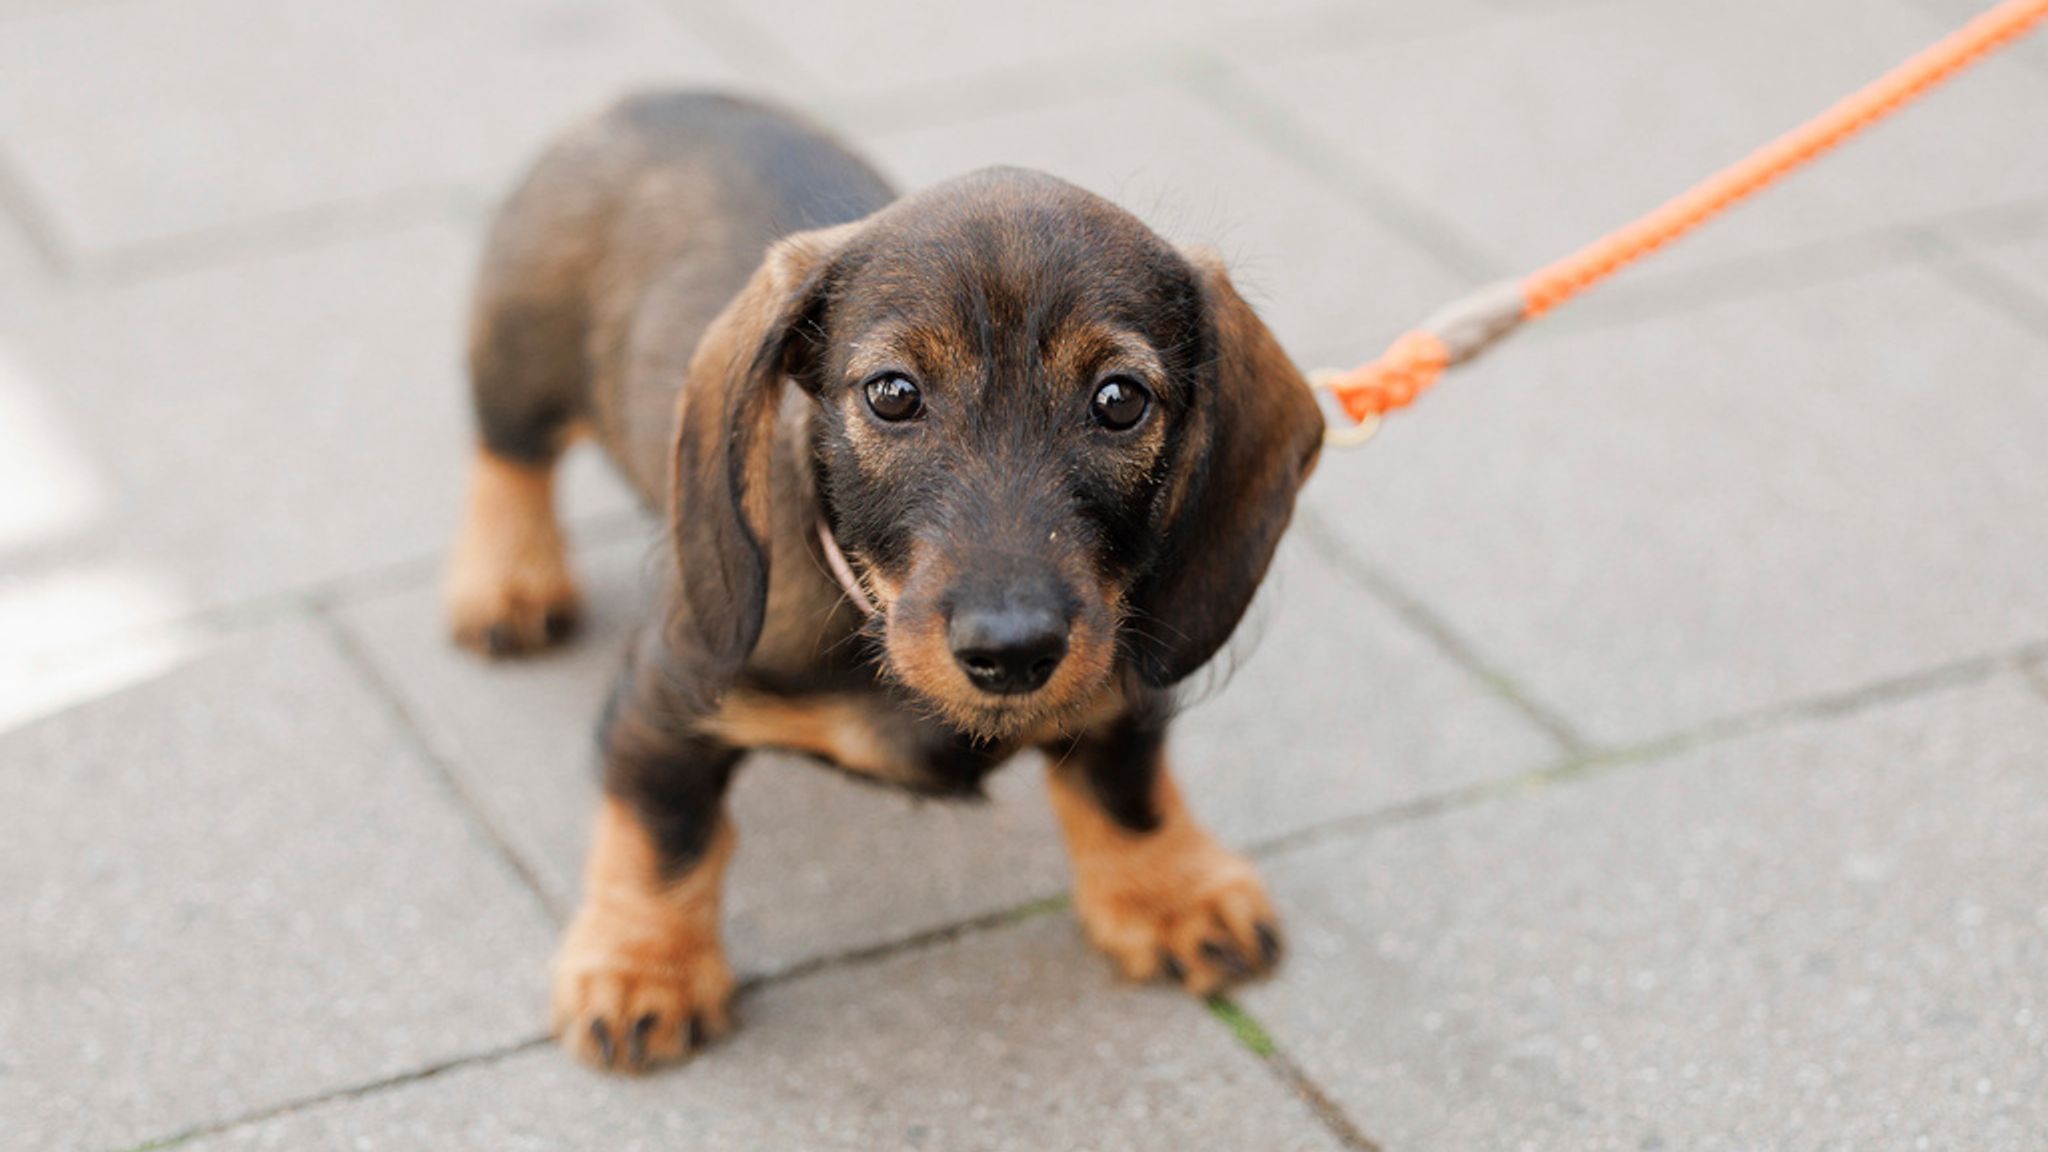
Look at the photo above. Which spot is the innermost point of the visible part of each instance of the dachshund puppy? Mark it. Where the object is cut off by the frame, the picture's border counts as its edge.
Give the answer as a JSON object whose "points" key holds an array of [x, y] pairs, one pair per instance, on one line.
{"points": [[1047, 455]]}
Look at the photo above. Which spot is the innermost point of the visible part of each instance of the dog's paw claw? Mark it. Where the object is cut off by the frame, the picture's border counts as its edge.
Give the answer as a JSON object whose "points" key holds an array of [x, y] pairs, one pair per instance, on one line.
{"points": [[1205, 927], [506, 623], [508, 585], [1226, 959], [1171, 967], [636, 1041], [1269, 944], [629, 1008], [622, 1021], [499, 641]]}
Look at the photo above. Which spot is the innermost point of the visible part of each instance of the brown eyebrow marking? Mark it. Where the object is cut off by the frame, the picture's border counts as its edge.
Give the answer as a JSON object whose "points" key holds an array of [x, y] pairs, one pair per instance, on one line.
{"points": [[1083, 350], [929, 351]]}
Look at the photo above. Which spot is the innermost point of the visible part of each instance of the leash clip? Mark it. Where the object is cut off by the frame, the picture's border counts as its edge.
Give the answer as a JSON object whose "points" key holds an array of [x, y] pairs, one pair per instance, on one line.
{"points": [[1342, 431]]}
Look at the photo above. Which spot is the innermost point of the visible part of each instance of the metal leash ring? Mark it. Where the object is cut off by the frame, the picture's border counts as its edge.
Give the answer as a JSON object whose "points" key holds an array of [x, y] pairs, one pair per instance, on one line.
{"points": [[1339, 434]]}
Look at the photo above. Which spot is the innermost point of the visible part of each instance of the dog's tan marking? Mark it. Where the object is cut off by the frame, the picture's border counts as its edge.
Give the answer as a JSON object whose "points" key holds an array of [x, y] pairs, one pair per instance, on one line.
{"points": [[933, 353], [1092, 712], [1083, 350], [841, 729], [642, 977], [508, 587], [919, 656], [1168, 899]]}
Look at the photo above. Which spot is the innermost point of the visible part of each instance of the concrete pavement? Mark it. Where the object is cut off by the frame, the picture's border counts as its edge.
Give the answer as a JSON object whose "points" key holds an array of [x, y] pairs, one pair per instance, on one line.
{"points": [[1646, 739]]}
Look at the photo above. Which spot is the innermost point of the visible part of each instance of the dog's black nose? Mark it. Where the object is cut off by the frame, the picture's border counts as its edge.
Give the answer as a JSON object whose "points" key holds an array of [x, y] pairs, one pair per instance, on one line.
{"points": [[1013, 648]]}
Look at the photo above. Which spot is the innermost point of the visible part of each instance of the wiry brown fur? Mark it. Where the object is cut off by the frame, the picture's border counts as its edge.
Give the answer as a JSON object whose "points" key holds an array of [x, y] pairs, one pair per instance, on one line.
{"points": [[710, 285]]}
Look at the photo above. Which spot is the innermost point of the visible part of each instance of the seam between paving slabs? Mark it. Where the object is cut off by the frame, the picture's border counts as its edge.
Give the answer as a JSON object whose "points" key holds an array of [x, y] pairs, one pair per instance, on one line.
{"points": [[2035, 672], [1966, 270], [31, 219], [268, 235], [1663, 295], [1521, 7], [1067, 80], [1267, 123], [852, 958], [26, 15], [1945, 16], [1921, 244], [306, 228], [1437, 632], [2029, 658], [402, 715], [1957, 673], [1650, 294], [232, 617], [1253, 1037], [1009, 91], [354, 1092], [739, 41], [335, 222], [2031, 662]]}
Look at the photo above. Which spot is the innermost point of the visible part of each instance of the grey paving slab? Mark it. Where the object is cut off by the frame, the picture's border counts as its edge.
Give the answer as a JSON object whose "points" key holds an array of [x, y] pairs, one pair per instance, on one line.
{"points": [[2033, 50], [925, 51], [1014, 1039], [2024, 260], [236, 886], [2018, 250], [224, 434], [1334, 709], [46, 668], [1533, 135], [21, 270], [1320, 270], [19, 9], [148, 119], [519, 733], [1654, 525], [1327, 705], [1828, 936], [16, 9]]}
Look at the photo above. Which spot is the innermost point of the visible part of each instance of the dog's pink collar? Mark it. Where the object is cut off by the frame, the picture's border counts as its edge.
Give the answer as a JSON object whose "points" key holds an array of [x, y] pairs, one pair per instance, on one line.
{"points": [[835, 559]]}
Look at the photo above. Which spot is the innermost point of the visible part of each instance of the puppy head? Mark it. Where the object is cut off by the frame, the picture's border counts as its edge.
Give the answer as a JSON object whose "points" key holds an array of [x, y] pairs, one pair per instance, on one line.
{"points": [[1053, 445]]}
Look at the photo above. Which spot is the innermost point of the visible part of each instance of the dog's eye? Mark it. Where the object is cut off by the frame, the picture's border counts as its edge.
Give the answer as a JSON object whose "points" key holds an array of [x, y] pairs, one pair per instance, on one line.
{"points": [[894, 397], [1120, 402]]}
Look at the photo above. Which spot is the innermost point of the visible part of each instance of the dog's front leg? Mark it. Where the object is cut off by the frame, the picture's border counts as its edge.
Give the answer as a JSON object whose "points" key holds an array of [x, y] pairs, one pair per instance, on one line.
{"points": [[1153, 889], [642, 976]]}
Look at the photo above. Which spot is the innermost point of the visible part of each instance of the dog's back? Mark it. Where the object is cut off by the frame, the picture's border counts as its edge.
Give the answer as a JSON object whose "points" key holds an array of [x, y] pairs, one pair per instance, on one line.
{"points": [[619, 248]]}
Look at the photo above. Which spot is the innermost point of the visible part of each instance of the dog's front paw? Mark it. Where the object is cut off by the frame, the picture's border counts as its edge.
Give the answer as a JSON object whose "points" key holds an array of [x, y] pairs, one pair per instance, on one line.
{"points": [[628, 997], [1184, 906]]}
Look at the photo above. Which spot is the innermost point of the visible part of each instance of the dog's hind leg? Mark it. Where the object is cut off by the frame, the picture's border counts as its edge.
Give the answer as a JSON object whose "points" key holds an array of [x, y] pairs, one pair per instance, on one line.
{"points": [[509, 588]]}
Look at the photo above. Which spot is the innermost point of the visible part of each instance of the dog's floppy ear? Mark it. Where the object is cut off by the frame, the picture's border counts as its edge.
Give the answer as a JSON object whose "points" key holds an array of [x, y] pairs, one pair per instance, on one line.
{"points": [[724, 440], [1253, 434]]}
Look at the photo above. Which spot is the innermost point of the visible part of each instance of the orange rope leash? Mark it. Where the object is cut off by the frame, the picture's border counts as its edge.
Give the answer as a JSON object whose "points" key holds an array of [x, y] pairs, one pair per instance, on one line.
{"points": [[1473, 324]]}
